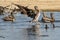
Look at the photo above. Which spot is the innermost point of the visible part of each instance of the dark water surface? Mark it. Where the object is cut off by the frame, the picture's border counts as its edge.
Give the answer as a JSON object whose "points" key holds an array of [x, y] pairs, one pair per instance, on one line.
{"points": [[21, 29]]}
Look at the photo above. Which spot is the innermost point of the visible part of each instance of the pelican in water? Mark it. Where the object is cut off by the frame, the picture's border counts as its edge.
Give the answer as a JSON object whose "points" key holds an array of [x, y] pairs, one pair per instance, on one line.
{"points": [[37, 14], [47, 19], [29, 12], [9, 17]]}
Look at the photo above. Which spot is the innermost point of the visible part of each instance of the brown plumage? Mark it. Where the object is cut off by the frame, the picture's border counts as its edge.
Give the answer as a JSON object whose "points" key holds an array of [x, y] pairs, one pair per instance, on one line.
{"points": [[29, 12], [47, 19], [9, 17]]}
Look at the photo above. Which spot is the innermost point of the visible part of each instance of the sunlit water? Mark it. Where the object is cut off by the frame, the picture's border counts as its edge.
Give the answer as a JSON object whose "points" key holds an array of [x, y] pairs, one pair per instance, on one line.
{"points": [[21, 29]]}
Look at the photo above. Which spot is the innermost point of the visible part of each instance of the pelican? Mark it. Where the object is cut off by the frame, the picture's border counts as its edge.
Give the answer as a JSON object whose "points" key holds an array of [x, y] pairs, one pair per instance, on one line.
{"points": [[37, 14], [29, 12], [9, 17], [47, 19]]}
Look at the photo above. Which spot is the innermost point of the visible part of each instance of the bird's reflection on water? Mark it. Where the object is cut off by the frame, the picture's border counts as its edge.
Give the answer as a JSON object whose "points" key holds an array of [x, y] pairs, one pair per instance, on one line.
{"points": [[34, 31], [47, 26]]}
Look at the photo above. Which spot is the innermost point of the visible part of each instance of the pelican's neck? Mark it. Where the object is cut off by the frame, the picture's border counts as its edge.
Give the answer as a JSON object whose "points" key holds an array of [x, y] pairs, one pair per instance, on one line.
{"points": [[52, 16], [44, 15], [36, 17]]}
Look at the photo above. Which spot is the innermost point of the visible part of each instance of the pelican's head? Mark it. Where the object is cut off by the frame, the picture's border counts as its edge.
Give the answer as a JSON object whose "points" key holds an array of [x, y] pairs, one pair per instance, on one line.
{"points": [[36, 7], [51, 14]]}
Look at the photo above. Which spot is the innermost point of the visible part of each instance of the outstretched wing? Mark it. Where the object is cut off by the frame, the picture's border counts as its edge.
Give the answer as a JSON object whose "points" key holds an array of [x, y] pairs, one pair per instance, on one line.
{"points": [[26, 10]]}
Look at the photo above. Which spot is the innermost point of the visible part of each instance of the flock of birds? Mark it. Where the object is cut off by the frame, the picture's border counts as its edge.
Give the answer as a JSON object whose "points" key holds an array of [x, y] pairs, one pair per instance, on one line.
{"points": [[33, 13]]}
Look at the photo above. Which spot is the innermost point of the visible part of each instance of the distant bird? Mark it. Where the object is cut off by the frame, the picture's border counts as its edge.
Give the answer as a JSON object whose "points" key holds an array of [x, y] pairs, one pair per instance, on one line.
{"points": [[29, 12], [9, 17], [47, 19]]}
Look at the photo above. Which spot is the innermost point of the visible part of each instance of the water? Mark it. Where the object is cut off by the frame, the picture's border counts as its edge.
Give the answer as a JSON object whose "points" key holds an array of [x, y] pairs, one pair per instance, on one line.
{"points": [[21, 29]]}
